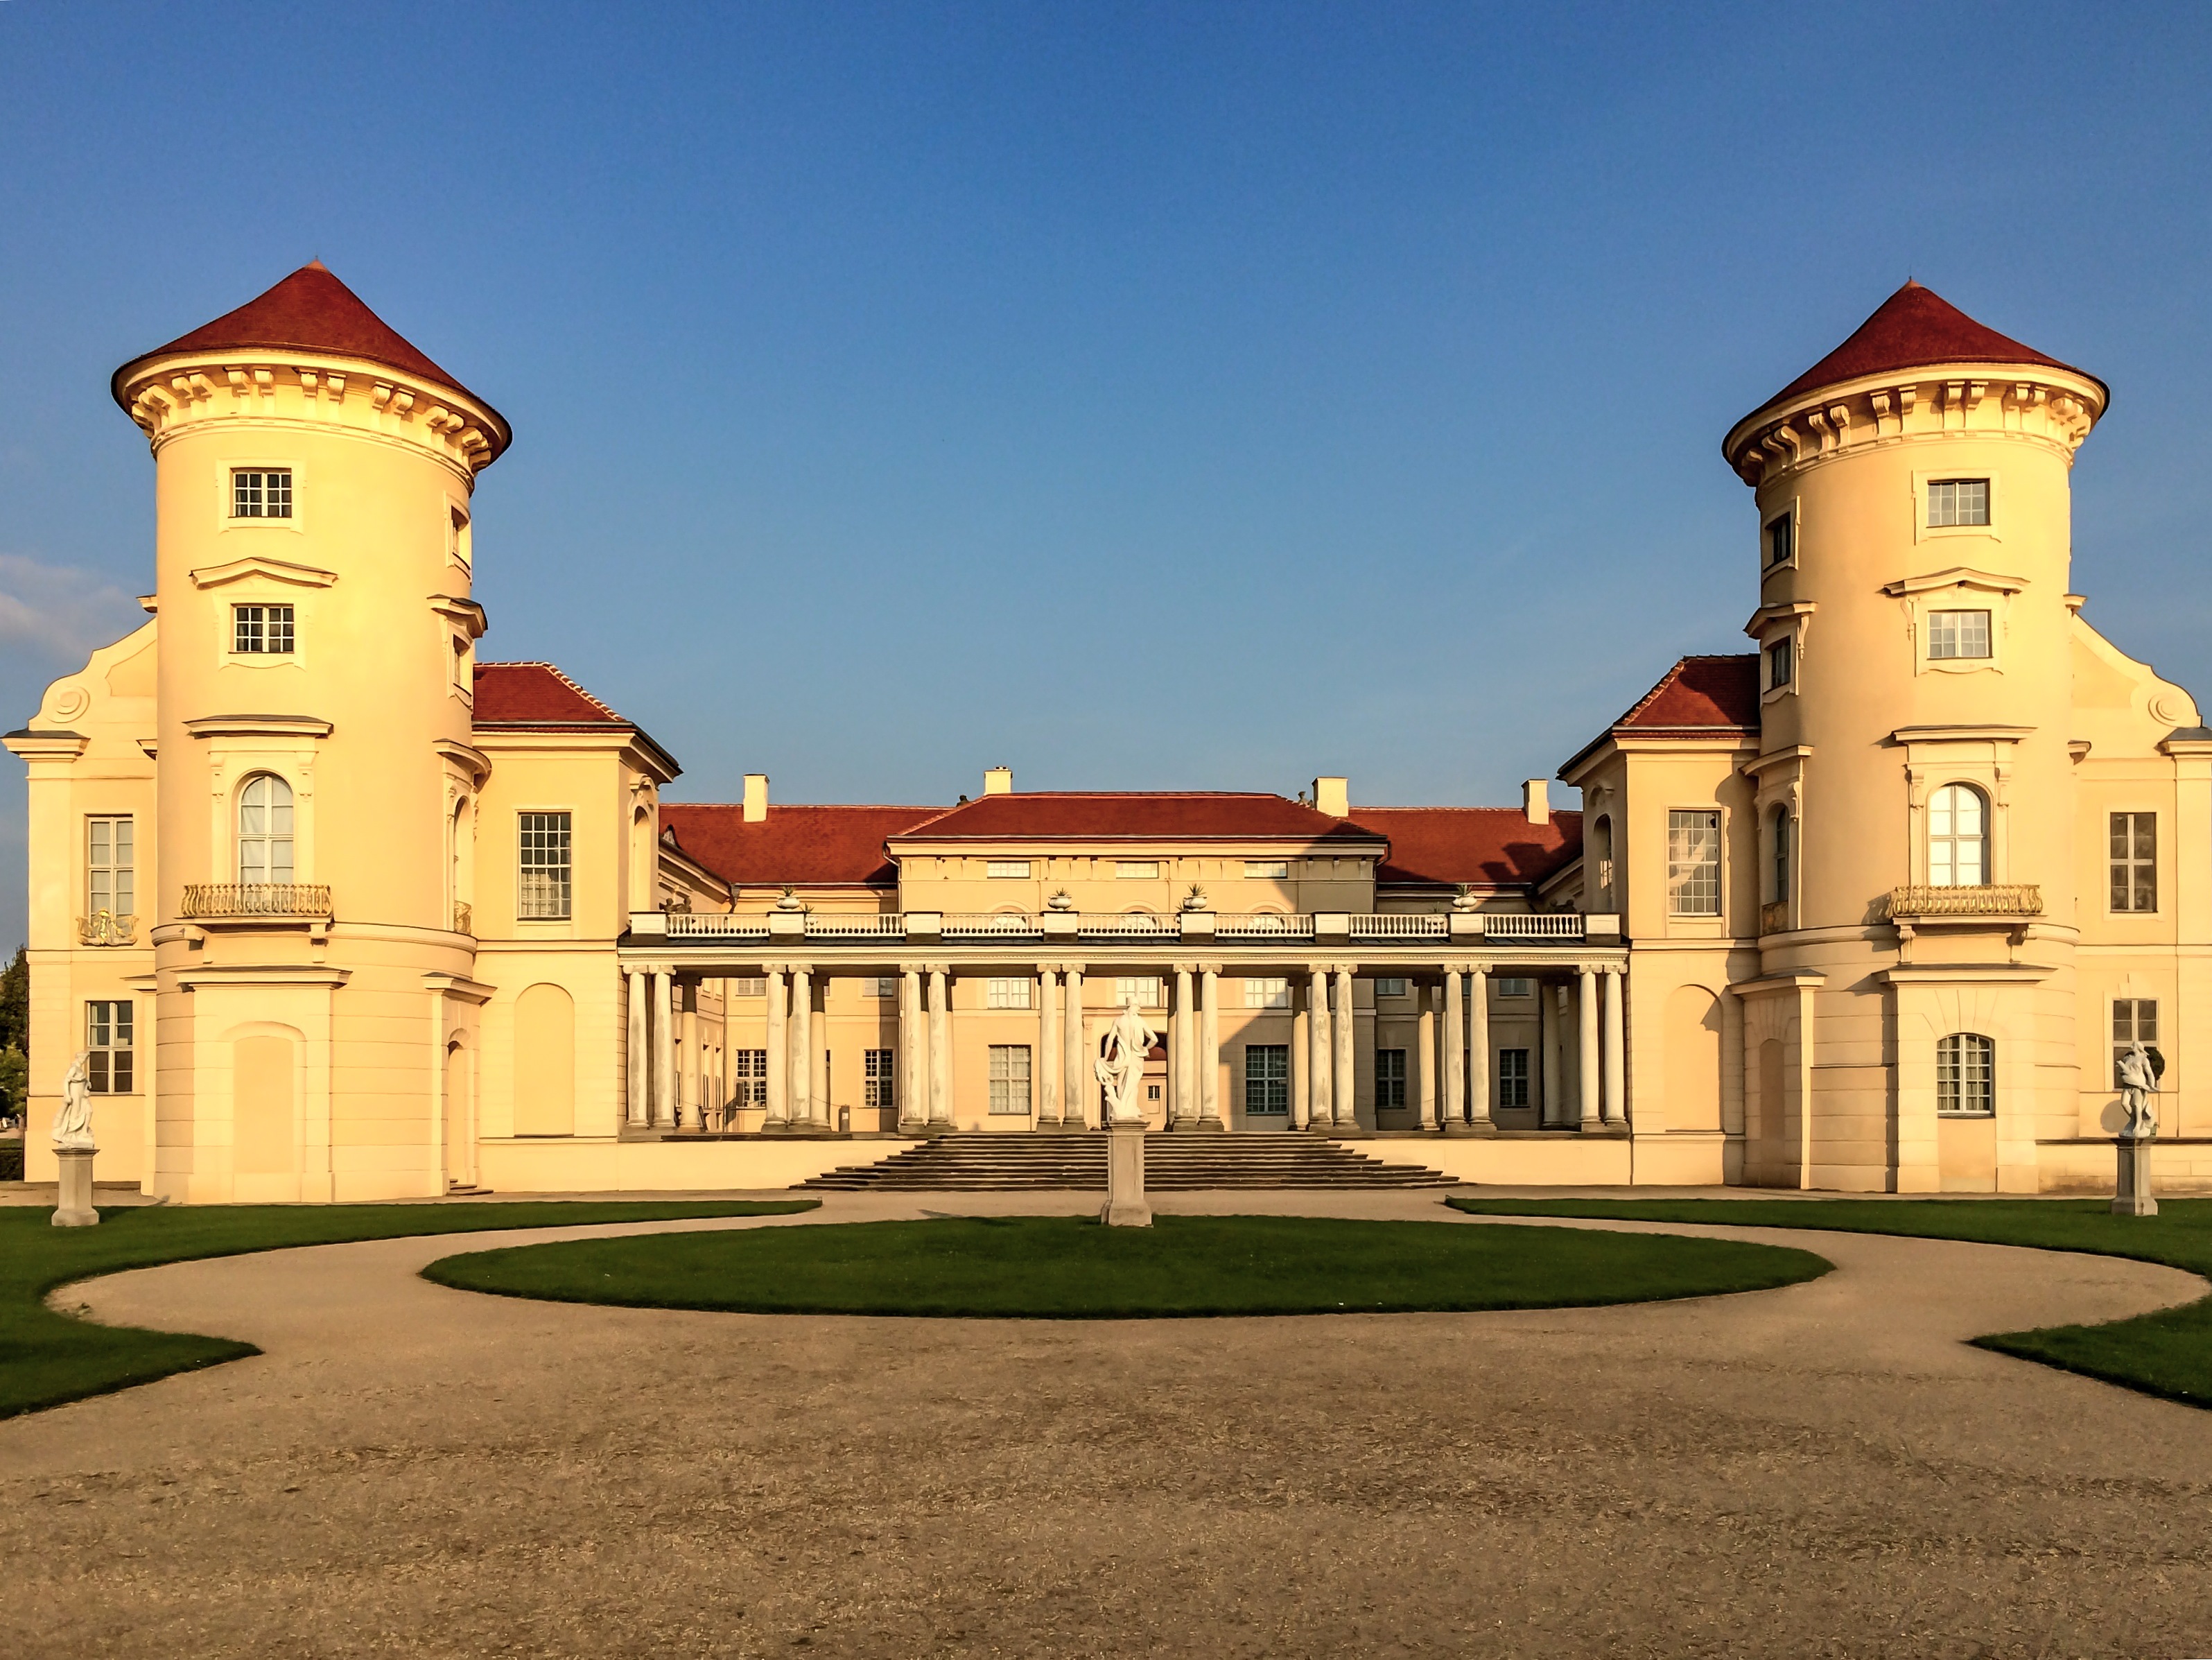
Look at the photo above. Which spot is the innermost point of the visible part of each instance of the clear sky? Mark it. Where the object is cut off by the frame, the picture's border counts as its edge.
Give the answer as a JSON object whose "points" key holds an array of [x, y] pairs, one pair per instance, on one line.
{"points": [[1138, 396]]}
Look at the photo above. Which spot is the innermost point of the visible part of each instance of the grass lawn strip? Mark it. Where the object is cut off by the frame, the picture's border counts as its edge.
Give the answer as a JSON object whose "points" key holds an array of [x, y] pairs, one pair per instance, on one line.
{"points": [[2168, 1353], [46, 1358], [1052, 1268]]}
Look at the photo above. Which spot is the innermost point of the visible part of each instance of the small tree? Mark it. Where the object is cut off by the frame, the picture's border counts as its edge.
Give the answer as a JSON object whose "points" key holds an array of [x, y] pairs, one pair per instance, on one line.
{"points": [[15, 1003], [15, 1083]]}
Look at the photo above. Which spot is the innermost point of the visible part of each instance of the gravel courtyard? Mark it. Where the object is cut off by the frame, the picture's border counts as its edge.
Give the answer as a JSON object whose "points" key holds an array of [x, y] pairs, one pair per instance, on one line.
{"points": [[1821, 1470]]}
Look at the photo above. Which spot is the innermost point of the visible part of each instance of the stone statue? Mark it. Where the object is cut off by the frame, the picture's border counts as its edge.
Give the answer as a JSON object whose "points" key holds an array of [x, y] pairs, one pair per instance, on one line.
{"points": [[2138, 1083], [1121, 1069], [73, 1124]]}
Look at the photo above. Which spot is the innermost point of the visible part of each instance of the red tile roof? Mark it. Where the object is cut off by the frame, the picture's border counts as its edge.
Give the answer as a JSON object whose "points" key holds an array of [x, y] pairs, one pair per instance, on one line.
{"points": [[1485, 847], [535, 694], [1701, 691], [1914, 327], [1131, 815], [310, 310], [808, 846]]}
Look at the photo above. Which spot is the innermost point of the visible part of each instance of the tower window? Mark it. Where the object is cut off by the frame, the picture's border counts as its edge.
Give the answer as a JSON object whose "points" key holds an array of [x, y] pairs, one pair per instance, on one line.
{"points": [[1953, 634], [261, 630], [261, 495], [2135, 861], [1958, 819], [1779, 666], [1781, 541], [1957, 501], [544, 889], [264, 831], [1966, 1075]]}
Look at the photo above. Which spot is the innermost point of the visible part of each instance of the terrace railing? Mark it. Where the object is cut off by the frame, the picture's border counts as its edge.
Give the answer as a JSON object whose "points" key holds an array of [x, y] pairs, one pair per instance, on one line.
{"points": [[209, 901]]}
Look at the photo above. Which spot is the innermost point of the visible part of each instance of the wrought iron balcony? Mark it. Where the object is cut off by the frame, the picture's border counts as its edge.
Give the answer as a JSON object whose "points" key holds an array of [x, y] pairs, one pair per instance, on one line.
{"points": [[1916, 902], [217, 901], [104, 927]]}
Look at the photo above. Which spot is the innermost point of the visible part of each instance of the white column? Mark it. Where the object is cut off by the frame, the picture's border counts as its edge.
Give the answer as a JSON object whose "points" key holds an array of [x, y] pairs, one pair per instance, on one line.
{"points": [[1209, 1047], [913, 1049], [779, 1053], [1322, 1068], [1587, 1074], [799, 1068], [638, 1107], [1449, 1099], [1478, 1046], [663, 1049], [1343, 1097], [1049, 1048], [1302, 1068], [1547, 1002], [1182, 1053], [1081, 1087], [1424, 1083], [940, 1048], [1616, 1054]]}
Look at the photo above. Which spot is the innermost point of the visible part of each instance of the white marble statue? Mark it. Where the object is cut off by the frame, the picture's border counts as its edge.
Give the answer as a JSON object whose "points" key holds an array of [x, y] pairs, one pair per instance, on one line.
{"points": [[1122, 1068], [2138, 1083], [73, 1124]]}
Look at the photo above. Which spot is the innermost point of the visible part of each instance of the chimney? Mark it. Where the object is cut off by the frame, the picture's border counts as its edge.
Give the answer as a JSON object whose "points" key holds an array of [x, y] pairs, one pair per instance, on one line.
{"points": [[1333, 796], [998, 781], [1536, 800], [755, 798]]}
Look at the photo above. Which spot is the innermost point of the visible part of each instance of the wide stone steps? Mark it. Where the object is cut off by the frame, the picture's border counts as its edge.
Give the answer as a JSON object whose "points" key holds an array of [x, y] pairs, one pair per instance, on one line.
{"points": [[977, 1162]]}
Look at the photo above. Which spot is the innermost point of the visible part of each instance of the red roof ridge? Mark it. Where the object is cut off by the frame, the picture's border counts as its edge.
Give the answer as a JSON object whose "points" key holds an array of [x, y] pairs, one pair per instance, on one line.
{"points": [[1667, 680], [561, 676]]}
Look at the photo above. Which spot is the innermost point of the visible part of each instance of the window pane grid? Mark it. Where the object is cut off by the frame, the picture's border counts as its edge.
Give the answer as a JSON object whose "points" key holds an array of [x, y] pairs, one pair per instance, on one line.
{"points": [[1512, 1078], [2134, 1020], [878, 1089], [1010, 1079], [1693, 863], [1145, 989], [261, 495], [108, 1040], [1267, 1080], [264, 831], [1956, 634], [544, 870], [110, 878], [1266, 993], [1966, 1075], [1006, 993], [1956, 838], [1389, 1078], [262, 630], [749, 1077], [1957, 501], [2135, 861]]}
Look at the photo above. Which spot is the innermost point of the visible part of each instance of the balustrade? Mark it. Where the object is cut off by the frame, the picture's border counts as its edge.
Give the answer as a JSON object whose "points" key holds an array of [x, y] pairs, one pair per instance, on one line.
{"points": [[1135, 925], [871, 925], [1400, 927], [995, 925], [207, 901], [1533, 925], [2003, 899], [716, 925], [1263, 925]]}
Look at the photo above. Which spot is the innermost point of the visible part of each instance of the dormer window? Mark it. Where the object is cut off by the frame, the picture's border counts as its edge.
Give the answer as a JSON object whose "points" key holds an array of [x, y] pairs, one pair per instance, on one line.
{"points": [[262, 493], [1781, 541], [1955, 502], [261, 630]]}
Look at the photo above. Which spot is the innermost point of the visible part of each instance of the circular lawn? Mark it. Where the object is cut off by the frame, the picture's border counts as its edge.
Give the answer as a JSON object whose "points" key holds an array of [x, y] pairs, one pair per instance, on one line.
{"points": [[1058, 1268]]}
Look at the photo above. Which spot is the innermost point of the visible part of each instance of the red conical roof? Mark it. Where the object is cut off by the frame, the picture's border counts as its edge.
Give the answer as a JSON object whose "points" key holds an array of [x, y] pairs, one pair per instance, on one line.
{"points": [[1914, 328], [309, 311]]}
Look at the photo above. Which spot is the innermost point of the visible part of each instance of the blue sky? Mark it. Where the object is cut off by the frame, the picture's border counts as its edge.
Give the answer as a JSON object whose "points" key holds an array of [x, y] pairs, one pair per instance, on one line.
{"points": [[1139, 395]]}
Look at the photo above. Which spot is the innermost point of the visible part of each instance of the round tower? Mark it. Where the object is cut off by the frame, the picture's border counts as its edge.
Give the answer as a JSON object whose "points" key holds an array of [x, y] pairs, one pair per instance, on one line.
{"points": [[1914, 788], [317, 636]]}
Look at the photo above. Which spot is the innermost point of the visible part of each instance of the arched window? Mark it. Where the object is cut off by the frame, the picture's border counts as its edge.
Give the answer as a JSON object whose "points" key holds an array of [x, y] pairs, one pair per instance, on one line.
{"points": [[264, 829], [1602, 856], [1958, 837], [1782, 834], [1966, 1075]]}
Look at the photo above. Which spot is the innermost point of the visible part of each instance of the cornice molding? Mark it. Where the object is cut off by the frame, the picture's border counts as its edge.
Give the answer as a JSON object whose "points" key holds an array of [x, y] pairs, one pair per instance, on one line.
{"points": [[276, 570], [1958, 577], [258, 726]]}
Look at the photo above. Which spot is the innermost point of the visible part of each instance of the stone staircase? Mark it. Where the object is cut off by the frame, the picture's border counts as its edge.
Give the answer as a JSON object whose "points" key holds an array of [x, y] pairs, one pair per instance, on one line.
{"points": [[977, 1162]]}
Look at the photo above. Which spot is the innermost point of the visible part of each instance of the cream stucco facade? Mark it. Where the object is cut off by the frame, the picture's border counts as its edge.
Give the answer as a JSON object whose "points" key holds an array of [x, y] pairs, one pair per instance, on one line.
{"points": [[346, 913]]}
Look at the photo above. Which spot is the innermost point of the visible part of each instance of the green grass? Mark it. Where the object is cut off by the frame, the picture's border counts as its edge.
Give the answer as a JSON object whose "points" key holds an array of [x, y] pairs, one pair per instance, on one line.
{"points": [[2168, 1353], [46, 1358], [1070, 1268]]}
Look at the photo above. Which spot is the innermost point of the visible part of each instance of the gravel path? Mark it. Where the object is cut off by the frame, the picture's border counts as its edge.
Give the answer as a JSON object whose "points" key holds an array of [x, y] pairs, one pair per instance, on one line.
{"points": [[1820, 1470]]}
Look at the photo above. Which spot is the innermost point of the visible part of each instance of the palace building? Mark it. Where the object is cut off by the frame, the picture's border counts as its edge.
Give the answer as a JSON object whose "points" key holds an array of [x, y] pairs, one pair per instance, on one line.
{"points": [[340, 911]]}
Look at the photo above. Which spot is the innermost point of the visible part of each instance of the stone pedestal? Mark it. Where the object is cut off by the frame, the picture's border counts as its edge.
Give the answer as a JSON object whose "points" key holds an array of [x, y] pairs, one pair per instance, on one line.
{"points": [[74, 1208], [1125, 1179], [2133, 1195]]}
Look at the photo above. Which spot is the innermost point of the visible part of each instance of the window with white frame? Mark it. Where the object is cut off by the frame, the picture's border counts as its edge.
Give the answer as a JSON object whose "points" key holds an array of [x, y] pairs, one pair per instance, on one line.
{"points": [[1267, 870], [2134, 1020], [1267, 1080], [1780, 663], [1137, 870], [1512, 1078], [1953, 502], [264, 829], [1957, 635], [1693, 862], [1261, 994], [1781, 541], [544, 894], [1147, 989], [1781, 896], [111, 881], [108, 1041], [1007, 869], [2135, 861], [749, 986], [1958, 837], [748, 1078], [879, 985], [1389, 987], [261, 630], [879, 1071], [1508, 986], [1006, 993], [1010, 1079], [1389, 1080], [1966, 1075], [261, 493]]}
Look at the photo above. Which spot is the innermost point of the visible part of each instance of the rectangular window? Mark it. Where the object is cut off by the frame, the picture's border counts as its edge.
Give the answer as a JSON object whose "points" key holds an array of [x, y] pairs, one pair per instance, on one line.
{"points": [[261, 494], [1957, 501], [1509, 987], [1147, 988], [1389, 1079], [1956, 634], [1010, 1079], [880, 985], [877, 1072], [1008, 994], [1267, 1080], [1966, 1075], [544, 893], [110, 876], [1693, 863], [1389, 988], [2134, 1020], [261, 630], [1267, 870], [756, 986], [107, 1047], [1781, 541], [1512, 1078], [1779, 666], [1137, 870], [2135, 861], [1007, 870], [1266, 993], [749, 1077]]}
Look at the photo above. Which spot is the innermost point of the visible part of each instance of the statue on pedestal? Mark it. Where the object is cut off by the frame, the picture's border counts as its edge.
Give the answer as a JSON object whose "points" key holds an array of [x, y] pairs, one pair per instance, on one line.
{"points": [[1121, 1069], [73, 1124], [2138, 1083]]}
